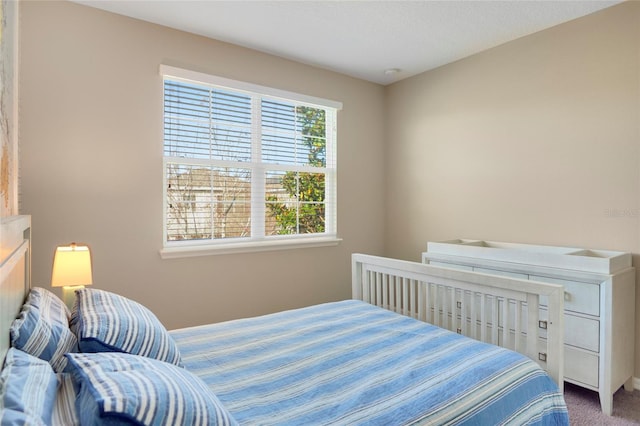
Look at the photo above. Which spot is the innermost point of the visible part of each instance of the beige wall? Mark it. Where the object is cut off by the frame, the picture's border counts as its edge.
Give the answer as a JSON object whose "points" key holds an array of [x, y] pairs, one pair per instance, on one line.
{"points": [[91, 165], [535, 141]]}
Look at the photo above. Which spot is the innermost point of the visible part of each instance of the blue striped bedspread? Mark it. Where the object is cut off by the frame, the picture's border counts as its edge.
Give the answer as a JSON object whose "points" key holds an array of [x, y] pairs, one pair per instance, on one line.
{"points": [[351, 363]]}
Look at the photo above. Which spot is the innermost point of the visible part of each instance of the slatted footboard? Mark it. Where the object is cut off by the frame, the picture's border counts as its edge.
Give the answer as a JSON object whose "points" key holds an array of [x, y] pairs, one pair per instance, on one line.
{"points": [[489, 308]]}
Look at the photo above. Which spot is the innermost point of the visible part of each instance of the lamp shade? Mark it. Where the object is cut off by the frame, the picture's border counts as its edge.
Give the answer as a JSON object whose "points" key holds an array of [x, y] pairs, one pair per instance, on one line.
{"points": [[71, 266]]}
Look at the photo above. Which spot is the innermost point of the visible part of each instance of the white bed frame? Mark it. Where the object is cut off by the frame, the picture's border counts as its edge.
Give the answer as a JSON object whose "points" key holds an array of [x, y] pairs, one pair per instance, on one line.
{"points": [[490, 308], [15, 272]]}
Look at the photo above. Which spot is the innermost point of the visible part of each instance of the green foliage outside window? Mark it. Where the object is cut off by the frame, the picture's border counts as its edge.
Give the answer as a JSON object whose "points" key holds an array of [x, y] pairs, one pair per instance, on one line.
{"points": [[306, 213]]}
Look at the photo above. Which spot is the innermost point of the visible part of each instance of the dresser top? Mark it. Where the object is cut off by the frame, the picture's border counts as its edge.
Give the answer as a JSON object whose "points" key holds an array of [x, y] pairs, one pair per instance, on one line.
{"points": [[581, 259]]}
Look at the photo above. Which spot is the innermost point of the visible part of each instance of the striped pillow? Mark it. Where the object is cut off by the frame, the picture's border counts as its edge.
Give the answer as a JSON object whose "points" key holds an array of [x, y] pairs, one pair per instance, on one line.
{"points": [[131, 389], [107, 322], [42, 329], [27, 390], [42, 298]]}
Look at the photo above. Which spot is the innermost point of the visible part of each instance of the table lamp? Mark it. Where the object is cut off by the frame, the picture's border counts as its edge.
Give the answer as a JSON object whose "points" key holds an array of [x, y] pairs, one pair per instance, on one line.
{"points": [[71, 270]]}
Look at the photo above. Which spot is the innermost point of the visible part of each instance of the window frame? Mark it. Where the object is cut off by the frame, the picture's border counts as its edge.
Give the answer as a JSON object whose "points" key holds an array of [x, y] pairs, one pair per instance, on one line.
{"points": [[187, 248]]}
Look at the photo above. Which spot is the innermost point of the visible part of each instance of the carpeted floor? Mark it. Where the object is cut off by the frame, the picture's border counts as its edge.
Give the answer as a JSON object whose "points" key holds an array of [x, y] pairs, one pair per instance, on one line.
{"points": [[584, 407]]}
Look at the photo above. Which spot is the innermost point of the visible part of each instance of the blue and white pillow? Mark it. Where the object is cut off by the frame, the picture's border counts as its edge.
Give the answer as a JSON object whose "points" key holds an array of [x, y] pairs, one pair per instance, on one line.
{"points": [[130, 389], [27, 390], [42, 329], [43, 299], [107, 322]]}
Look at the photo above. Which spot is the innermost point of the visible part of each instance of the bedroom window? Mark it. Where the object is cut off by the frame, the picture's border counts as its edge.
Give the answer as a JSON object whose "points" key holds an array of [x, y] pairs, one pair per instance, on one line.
{"points": [[245, 167]]}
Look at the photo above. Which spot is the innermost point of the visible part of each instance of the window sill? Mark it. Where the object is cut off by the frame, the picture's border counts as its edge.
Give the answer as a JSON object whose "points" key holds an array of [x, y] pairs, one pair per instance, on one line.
{"points": [[246, 247]]}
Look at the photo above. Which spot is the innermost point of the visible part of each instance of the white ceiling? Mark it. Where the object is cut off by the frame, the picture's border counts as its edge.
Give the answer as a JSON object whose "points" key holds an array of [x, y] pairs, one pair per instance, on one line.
{"points": [[360, 38]]}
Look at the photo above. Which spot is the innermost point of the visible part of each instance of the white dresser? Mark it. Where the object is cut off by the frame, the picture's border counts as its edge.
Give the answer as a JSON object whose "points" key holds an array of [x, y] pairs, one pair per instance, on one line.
{"points": [[599, 302]]}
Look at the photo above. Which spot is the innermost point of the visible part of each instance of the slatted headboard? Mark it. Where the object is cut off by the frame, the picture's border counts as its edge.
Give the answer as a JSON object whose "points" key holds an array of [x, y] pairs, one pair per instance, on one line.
{"points": [[15, 272]]}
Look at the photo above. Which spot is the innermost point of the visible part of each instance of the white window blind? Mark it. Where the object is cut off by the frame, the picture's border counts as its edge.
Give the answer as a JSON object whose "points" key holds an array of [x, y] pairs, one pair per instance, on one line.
{"points": [[244, 163]]}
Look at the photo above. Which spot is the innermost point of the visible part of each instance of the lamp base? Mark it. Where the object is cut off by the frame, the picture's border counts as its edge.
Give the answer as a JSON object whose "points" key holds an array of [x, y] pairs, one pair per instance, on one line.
{"points": [[69, 294]]}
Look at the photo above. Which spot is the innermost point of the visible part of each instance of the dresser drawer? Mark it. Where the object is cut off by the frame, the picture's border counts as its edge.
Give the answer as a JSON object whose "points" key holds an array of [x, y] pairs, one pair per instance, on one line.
{"points": [[578, 331], [579, 296], [582, 332], [581, 366]]}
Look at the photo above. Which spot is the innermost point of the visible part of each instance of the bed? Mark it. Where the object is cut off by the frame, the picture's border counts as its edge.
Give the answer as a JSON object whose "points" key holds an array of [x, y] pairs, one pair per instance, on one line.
{"points": [[371, 360]]}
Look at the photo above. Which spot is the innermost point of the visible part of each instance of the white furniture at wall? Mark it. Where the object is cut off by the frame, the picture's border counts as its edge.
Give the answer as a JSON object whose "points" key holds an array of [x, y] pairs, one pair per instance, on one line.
{"points": [[599, 302]]}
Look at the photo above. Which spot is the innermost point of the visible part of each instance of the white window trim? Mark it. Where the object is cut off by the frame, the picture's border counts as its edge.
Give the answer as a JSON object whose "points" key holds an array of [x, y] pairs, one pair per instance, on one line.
{"points": [[211, 248], [231, 246]]}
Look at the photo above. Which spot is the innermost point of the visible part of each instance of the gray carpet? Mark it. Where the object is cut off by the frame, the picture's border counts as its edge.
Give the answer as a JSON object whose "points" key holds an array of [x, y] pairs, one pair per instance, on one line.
{"points": [[584, 407]]}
